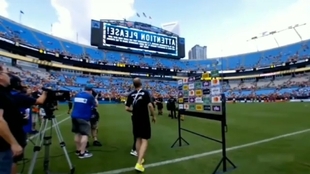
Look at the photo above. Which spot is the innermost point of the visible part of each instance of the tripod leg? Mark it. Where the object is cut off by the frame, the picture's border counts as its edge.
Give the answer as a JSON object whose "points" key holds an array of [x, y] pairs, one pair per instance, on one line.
{"points": [[47, 141], [62, 144], [38, 145]]}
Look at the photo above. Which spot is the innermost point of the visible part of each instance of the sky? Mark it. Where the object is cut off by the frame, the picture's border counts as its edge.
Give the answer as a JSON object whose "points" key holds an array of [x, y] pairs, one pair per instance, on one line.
{"points": [[224, 26]]}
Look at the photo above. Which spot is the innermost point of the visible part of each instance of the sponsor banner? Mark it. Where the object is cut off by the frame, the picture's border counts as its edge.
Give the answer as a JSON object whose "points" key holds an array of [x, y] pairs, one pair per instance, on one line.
{"points": [[185, 100], [206, 91], [181, 100], [180, 82], [181, 106], [191, 93], [28, 64], [5, 59], [192, 100], [191, 79], [215, 82], [216, 91], [180, 94], [198, 100], [191, 86], [216, 108], [198, 93], [206, 99], [185, 87], [206, 107], [192, 107], [216, 99], [198, 85], [206, 84], [199, 107], [186, 106], [185, 80], [185, 94]]}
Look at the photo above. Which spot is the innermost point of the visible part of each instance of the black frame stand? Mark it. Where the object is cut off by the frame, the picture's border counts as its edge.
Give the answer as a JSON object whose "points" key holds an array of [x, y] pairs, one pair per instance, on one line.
{"points": [[180, 141], [45, 139]]}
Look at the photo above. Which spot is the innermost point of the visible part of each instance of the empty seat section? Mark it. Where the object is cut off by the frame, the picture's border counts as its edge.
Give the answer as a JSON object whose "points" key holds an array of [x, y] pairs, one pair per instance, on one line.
{"points": [[49, 42], [21, 31], [73, 48]]}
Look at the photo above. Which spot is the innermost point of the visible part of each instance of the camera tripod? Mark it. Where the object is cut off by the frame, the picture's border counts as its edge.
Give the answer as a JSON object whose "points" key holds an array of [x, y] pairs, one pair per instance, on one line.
{"points": [[45, 138]]}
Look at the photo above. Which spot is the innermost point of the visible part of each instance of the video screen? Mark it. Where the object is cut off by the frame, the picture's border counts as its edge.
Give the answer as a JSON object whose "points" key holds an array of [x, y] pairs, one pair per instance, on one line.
{"points": [[135, 39]]}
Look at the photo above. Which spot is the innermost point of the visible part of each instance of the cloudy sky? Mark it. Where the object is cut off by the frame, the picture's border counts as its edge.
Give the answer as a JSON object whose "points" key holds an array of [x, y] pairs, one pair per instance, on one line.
{"points": [[222, 25]]}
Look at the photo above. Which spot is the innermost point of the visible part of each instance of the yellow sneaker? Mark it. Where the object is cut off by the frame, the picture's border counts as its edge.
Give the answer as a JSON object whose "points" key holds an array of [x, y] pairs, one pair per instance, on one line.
{"points": [[139, 167]]}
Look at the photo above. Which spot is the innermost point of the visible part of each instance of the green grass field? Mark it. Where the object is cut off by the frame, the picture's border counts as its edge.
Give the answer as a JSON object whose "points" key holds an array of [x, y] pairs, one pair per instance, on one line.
{"points": [[247, 123]]}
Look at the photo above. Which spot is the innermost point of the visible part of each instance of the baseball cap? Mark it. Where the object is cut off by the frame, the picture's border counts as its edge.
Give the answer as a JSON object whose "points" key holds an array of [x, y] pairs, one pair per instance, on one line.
{"points": [[88, 87]]}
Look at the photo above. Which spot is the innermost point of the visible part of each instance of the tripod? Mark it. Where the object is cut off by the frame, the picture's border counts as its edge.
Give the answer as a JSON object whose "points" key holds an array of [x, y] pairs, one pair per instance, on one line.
{"points": [[45, 138]]}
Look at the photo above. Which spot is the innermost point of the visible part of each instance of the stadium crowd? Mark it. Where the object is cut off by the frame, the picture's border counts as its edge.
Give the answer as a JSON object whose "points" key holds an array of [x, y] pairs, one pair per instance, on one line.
{"points": [[293, 85], [16, 32], [114, 87]]}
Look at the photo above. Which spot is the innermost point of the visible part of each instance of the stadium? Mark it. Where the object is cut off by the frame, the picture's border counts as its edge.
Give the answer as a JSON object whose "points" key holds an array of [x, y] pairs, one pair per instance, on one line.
{"points": [[267, 94]]}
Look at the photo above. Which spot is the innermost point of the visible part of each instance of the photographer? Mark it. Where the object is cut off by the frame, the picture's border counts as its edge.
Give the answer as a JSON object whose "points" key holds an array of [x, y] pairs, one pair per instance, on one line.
{"points": [[171, 107], [24, 102], [12, 136], [82, 111], [25, 99]]}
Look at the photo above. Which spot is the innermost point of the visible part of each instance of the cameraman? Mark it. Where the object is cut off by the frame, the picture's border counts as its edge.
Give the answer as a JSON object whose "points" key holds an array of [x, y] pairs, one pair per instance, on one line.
{"points": [[171, 107], [23, 100], [82, 111], [12, 136]]}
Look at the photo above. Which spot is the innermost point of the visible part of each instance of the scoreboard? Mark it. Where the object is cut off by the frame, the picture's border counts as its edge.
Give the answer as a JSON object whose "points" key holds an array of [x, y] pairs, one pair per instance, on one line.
{"points": [[136, 38]]}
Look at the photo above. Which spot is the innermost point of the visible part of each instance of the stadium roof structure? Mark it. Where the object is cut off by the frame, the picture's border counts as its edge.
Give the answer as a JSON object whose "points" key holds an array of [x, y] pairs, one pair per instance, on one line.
{"points": [[173, 27]]}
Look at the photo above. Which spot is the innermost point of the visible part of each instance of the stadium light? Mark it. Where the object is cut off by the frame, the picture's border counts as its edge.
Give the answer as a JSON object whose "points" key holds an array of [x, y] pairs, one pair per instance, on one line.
{"points": [[264, 34], [273, 33], [294, 28]]}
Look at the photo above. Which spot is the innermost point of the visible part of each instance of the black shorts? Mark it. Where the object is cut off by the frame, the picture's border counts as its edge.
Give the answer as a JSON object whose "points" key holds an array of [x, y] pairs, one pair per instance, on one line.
{"points": [[70, 105], [141, 128], [80, 126]]}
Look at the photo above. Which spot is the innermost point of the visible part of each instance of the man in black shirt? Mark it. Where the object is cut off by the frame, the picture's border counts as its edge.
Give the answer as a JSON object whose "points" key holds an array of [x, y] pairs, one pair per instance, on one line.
{"points": [[139, 103], [159, 103], [12, 136], [171, 107]]}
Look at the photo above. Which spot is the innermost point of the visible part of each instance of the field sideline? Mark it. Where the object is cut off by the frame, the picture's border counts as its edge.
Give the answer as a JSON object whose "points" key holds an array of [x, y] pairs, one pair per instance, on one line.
{"points": [[251, 126]]}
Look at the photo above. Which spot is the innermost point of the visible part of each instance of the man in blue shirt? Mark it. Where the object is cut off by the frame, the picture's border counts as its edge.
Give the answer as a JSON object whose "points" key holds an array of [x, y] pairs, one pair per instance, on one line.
{"points": [[83, 104]]}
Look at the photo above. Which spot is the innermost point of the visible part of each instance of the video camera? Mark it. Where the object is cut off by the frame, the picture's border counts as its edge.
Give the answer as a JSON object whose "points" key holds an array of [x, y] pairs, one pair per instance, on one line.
{"points": [[52, 97], [56, 95]]}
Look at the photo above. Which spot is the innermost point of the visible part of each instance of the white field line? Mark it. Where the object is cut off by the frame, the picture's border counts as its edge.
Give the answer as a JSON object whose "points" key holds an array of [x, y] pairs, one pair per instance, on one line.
{"points": [[206, 153]]}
